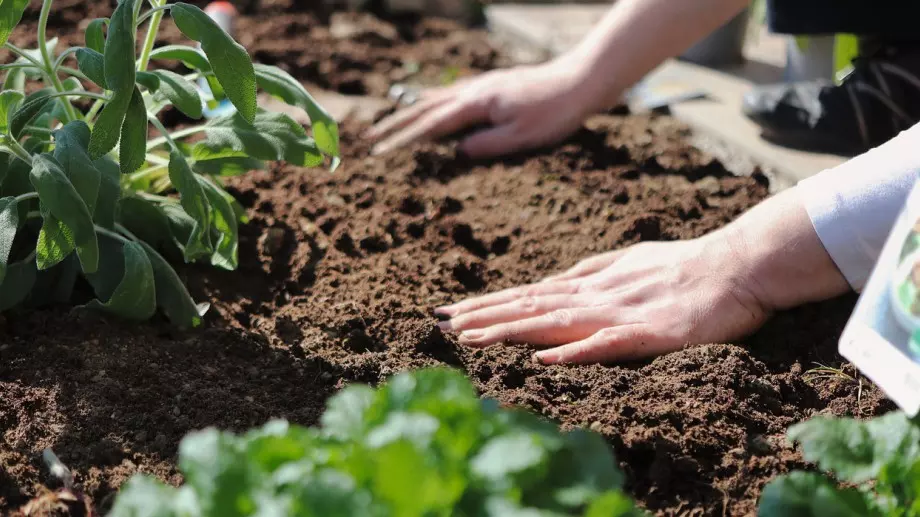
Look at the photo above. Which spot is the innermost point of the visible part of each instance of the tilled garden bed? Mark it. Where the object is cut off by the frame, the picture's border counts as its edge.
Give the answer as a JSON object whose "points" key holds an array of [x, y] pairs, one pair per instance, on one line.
{"points": [[339, 273]]}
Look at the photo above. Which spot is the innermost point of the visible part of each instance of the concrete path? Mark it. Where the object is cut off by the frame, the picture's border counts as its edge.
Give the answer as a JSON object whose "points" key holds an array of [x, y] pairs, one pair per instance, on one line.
{"points": [[541, 31]]}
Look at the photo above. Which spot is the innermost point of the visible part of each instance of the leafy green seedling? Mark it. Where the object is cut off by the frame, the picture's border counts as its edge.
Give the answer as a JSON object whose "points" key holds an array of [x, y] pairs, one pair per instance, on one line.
{"points": [[421, 445], [879, 459], [85, 193]]}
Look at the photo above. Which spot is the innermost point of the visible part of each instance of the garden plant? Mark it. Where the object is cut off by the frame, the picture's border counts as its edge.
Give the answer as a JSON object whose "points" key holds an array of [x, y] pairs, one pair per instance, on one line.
{"points": [[423, 444], [84, 192]]}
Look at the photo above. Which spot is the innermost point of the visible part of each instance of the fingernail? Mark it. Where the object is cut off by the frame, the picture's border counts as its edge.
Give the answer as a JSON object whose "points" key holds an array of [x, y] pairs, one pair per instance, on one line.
{"points": [[471, 335], [378, 150], [446, 326]]}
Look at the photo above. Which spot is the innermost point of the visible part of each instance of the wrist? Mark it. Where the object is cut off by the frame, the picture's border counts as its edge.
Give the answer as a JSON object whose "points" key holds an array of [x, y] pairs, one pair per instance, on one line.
{"points": [[591, 88]]}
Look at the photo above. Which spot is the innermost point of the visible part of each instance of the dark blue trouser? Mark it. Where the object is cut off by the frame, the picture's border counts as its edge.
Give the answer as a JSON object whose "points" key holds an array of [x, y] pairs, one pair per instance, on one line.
{"points": [[883, 19]]}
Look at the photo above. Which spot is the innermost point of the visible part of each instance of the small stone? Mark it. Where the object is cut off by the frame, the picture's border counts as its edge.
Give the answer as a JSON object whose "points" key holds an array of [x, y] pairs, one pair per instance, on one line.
{"points": [[176, 411], [272, 241], [596, 426]]}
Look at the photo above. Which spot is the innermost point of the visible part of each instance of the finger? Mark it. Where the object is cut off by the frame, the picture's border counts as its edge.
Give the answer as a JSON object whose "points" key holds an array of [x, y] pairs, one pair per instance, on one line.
{"points": [[441, 121], [495, 141], [553, 328], [505, 296], [587, 266], [403, 117], [620, 343], [523, 307]]}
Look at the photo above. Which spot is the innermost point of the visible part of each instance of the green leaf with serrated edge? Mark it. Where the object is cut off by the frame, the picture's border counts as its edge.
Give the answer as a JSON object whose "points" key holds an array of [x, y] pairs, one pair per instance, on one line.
{"points": [[28, 110], [172, 297], [9, 101], [808, 494], [273, 136], [149, 80], [92, 64], [223, 220], [55, 242], [109, 192], [190, 57], [10, 14], [180, 93], [226, 167], [15, 288], [133, 148], [229, 60], [195, 204], [94, 37], [9, 225], [280, 84], [148, 222], [135, 296], [57, 193], [70, 150]]}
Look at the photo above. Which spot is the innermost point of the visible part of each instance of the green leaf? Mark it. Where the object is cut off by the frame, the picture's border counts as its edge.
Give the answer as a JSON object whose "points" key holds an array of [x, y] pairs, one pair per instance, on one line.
{"points": [[10, 14], [147, 221], [58, 194], [34, 104], [149, 80], [109, 192], [9, 100], [15, 80], [180, 93], [144, 496], [95, 39], [223, 220], [280, 84], [807, 494], [345, 412], [190, 57], [133, 148], [229, 60], [107, 129], [195, 204], [273, 136], [55, 242], [70, 150], [172, 296], [15, 288], [612, 504], [224, 167], [9, 225], [92, 64], [508, 455], [135, 296]]}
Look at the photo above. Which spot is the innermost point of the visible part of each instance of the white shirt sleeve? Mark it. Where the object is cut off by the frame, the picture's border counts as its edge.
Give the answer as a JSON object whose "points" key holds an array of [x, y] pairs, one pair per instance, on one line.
{"points": [[854, 206]]}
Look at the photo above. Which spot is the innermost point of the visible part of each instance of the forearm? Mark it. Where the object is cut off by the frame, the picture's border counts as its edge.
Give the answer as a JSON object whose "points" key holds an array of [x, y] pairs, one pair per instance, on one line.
{"points": [[637, 35]]}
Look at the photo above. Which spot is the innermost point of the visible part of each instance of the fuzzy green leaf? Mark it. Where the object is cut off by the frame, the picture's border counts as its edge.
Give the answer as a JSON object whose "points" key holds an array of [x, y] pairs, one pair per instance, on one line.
{"points": [[9, 101], [9, 225], [15, 80], [272, 136], [10, 14], [109, 192], [148, 80], [172, 297], [190, 57], [223, 220], [180, 93], [133, 147], [92, 64], [148, 222], [135, 296], [195, 204], [229, 60], [94, 37], [233, 166], [70, 150], [280, 84], [807, 494], [15, 288], [34, 104], [55, 242], [60, 197], [145, 496], [107, 129]]}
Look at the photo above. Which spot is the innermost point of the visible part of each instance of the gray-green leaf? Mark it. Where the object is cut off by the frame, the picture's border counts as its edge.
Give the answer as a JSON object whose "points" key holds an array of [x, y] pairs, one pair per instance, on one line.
{"points": [[190, 57], [92, 63], [223, 220], [9, 225], [180, 93], [135, 296], [272, 136], [133, 149], [95, 39], [109, 192], [70, 150], [60, 197], [229, 60], [10, 14], [280, 84], [148, 80], [195, 204], [172, 296], [9, 100], [233, 166], [34, 104], [17, 285], [55, 242]]}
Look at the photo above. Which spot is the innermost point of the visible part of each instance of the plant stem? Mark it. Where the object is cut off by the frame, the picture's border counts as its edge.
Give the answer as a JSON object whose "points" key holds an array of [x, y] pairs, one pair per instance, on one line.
{"points": [[152, 12], [149, 171], [74, 72], [182, 133], [79, 93], [159, 125], [110, 233], [13, 66], [159, 199], [151, 33], [22, 53], [60, 60], [27, 196], [93, 111], [17, 150], [71, 112]]}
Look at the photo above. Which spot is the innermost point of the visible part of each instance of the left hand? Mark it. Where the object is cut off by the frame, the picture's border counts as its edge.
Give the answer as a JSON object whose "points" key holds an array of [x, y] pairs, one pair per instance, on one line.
{"points": [[651, 298]]}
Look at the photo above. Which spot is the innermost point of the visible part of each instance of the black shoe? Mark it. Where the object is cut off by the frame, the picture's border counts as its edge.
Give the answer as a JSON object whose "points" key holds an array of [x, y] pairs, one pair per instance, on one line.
{"points": [[876, 101]]}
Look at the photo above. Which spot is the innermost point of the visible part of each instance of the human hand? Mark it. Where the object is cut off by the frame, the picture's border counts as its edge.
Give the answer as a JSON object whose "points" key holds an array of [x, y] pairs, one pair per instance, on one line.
{"points": [[645, 300], [527, 106]]}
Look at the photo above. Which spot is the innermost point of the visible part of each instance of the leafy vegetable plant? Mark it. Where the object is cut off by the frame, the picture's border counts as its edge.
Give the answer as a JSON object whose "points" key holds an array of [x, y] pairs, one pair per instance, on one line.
{"points": [[422, 445], [85, 193], [879, 459]]}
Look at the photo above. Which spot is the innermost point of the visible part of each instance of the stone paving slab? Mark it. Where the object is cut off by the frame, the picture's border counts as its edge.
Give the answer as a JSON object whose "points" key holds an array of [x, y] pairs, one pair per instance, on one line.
{"points": [[548, 30]]}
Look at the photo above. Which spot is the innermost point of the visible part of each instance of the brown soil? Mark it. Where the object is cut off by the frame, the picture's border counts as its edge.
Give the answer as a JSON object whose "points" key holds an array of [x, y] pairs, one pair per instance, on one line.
{"points": [[339, 273]]}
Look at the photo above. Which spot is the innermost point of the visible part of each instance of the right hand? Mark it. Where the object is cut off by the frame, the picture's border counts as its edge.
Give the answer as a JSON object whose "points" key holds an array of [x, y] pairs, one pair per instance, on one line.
{"points": [[527, 107]]}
